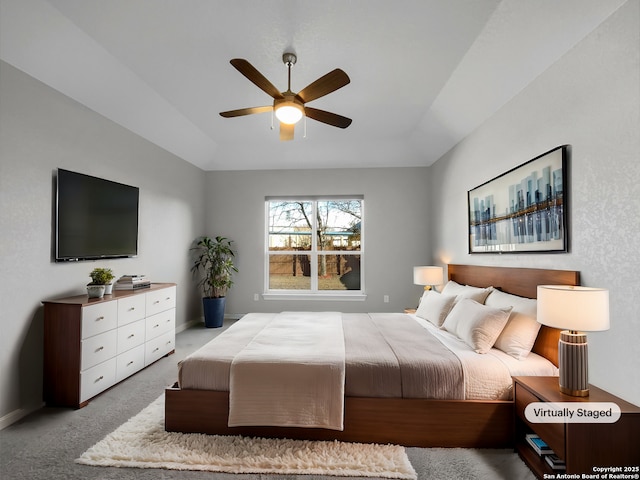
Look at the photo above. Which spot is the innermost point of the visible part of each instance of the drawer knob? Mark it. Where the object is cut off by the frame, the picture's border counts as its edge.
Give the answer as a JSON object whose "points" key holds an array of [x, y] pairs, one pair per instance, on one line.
{"points": [[99, 349], [131, 336], [156, 302], [156, 349], [169, 342], [99, 378], [168, 298], [130, 363], [132, 309], [99, 318], [156, 325]]}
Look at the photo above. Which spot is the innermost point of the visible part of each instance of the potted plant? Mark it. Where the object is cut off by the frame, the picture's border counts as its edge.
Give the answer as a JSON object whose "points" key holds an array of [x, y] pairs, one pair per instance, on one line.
{"points": [[101, 279], [214, 261]]}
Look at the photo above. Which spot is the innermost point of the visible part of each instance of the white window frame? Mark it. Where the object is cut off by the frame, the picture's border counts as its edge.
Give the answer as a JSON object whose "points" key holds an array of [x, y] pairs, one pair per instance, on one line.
{"points": [[314, 293]]}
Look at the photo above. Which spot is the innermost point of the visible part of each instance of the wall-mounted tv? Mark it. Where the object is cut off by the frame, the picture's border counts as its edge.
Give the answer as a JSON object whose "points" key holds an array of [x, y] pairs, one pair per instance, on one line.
{"points": [[95, 218]]}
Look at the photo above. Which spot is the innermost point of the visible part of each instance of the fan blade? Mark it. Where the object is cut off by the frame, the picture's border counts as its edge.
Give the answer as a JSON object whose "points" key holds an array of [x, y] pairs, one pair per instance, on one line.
{"points": [[286, 131], [256, 77], [329, 118], [246, 111], [331, 82]]}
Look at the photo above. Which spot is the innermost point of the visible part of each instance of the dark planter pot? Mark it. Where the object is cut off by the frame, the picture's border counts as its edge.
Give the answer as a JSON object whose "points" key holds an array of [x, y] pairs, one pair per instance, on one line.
{"points": [[213, 311]]}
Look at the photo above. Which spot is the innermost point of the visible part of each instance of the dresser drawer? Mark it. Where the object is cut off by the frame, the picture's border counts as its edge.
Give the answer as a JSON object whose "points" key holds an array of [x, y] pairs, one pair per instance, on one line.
{"points": [[158, 347], [99, 318], [98, 348], [130, 336], [160, 300], [160, 323], [129, 362], [552, 433], [97, 379], [131, 309]]}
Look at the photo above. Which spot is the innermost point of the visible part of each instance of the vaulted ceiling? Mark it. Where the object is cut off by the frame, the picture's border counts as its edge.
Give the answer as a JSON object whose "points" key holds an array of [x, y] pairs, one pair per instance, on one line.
{"points": [[424, 73]]}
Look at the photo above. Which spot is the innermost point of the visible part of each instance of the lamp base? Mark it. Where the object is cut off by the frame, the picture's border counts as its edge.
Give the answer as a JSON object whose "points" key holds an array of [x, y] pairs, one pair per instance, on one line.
{"points": [[573, 363], [574, 393]]}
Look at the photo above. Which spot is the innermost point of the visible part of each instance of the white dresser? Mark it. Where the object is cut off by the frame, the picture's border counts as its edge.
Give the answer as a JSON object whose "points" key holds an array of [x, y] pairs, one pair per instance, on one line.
{"points": [[92, 344]]}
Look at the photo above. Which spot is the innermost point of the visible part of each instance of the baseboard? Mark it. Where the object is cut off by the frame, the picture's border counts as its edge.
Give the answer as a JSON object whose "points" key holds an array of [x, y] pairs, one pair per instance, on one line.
{"points": [[189, 324], [12, 417], [200, 321]]}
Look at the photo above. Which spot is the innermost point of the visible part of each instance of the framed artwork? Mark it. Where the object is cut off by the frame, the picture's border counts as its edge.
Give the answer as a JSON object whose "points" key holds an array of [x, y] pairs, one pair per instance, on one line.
{"points": [[522, 210]]}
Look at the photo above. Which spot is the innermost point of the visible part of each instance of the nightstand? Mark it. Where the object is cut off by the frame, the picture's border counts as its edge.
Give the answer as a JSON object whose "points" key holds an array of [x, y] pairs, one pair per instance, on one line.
{"points": [[582, 446]]}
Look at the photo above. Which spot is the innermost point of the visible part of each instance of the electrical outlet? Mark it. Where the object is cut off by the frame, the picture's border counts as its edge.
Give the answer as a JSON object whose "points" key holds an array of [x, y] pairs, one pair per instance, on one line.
{"points": [[386, 299], [256, 297]]}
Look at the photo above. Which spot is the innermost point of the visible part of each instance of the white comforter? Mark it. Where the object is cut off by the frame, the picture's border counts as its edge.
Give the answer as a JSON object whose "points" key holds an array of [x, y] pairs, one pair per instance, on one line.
{"points": [[298, 384]]}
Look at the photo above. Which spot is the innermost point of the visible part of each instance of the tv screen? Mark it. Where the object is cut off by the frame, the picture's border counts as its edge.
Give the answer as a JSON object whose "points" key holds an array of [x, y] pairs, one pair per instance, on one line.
{"points": [[95, 218]]}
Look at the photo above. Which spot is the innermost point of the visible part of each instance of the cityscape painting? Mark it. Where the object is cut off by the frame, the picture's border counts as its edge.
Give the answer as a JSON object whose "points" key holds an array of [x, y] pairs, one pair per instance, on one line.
{"points": [[522, 210]]}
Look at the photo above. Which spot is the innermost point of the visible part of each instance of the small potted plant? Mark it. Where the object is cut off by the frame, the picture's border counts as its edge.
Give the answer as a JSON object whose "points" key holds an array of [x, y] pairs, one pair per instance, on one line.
{"points": [[101, 279], [214, 259]]}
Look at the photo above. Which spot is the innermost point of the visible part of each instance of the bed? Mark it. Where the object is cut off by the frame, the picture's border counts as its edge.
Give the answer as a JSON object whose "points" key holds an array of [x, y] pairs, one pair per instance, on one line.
{"points": [[424, 422]]}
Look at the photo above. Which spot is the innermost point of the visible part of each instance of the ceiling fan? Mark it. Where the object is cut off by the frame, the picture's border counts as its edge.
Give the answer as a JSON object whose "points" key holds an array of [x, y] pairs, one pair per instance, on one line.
{"points": [[289, 107]]}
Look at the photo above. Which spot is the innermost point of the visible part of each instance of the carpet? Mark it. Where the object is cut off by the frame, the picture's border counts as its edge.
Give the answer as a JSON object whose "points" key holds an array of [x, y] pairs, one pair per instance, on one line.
{"points": [[142, 442]]}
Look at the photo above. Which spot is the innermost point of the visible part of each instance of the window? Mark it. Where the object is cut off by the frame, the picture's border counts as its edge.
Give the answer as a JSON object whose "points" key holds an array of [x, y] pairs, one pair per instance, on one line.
{"points": [[314, 246]]}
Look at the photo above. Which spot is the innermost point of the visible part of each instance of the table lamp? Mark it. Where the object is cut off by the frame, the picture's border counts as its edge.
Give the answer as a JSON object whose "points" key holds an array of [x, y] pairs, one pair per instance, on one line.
{"points": [[574, 310], [428, 276]]}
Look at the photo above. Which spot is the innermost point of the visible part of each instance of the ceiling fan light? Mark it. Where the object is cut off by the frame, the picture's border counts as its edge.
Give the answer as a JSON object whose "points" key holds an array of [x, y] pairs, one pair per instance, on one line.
{"points": [[289, 112]]}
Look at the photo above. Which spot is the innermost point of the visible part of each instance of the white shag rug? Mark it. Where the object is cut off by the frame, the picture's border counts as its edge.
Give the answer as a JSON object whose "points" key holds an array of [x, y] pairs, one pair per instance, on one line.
{"points": [[142, 442]]}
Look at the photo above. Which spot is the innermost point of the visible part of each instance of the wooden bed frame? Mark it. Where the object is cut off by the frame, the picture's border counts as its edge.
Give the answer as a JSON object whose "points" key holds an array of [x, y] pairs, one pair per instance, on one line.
{"points": [[409, 422]]}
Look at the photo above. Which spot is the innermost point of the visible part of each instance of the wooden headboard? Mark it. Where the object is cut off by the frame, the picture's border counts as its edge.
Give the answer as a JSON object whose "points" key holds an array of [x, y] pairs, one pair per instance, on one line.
{"points": [[522, 282]]}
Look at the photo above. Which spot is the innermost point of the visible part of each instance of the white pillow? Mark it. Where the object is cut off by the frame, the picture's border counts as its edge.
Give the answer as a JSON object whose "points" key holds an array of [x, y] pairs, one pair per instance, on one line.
{"points": [[475, 324], [520, 332], [466, 291], [435, 306]]}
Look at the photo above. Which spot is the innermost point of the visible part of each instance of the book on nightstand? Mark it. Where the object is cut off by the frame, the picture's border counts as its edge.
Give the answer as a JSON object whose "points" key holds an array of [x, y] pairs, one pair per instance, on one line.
{"points": [[555, 462], [539, 445]]}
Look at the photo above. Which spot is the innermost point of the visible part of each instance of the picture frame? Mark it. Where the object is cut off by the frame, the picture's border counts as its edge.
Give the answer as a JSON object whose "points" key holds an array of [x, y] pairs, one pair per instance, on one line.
{"points": [[523, 210]]}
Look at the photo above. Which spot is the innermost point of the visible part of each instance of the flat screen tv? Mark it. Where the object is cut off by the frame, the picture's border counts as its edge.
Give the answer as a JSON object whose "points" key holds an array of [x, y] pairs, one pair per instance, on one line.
{"points": [[95, 218]]}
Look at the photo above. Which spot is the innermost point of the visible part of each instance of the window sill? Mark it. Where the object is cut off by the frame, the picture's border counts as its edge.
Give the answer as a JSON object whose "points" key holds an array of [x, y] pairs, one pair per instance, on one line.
{"points": [[354, 297]]}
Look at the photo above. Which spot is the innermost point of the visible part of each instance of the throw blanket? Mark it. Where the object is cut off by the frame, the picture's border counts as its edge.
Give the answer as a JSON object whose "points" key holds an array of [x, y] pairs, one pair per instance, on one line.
{"points": [[298, 384]]}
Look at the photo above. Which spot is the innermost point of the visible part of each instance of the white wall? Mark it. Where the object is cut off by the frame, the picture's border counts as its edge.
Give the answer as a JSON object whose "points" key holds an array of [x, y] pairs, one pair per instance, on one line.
{"points": [[41, 130], [395, 230], [590, 99]]}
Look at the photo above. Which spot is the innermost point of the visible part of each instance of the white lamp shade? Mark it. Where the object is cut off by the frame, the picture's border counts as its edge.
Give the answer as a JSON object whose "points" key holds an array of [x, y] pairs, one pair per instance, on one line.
{"points": [[573, 308], [428, 275], [289, 113]]}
